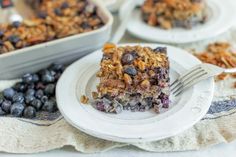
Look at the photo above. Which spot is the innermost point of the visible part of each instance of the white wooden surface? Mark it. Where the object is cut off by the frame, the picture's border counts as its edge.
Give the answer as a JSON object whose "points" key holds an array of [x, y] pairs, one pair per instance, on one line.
{"points": [[221, 150]]}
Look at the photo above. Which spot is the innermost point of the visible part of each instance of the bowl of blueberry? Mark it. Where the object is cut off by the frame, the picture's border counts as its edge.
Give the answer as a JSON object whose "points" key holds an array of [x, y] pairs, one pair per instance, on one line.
{"points": [[34, 94]]}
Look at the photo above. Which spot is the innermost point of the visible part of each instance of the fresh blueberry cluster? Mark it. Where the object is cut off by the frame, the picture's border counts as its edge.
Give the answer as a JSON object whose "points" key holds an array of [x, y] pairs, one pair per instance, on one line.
{"points": [[35, 93]]}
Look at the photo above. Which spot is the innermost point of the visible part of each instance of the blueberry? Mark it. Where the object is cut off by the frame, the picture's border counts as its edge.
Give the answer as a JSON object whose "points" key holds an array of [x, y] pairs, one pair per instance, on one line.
{"points": [[127, 58], [6, 105], [44, 72], [31, 86], [142, 108], [27, 78], [17, 109], [57, 11], [85, 25], [29, 99], [165, 104], [1, 99], [14, 39], [49, 89], [52, 72], [156, 1], [1, 33], [57, 76], [48, 78], [30, 92], [130, 70], [160, 49], [29, 112], [100, 106], [39, 94], [16, 24], [18, 97], [20, 87], [44, 99], [37, 104], [64, 5], [42, 15], [49, 106], [57, 67], [1, 43], [9, 93], [2, 112], [35, 78]]}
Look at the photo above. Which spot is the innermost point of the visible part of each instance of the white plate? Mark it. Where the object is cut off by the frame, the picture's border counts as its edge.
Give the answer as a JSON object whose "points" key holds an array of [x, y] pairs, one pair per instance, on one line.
{"points": [[184, 112], [220, 20]]}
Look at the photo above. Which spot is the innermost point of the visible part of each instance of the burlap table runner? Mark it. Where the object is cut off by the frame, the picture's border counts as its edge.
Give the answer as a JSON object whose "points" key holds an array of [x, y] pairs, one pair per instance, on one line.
{"points": [[52, 131]]}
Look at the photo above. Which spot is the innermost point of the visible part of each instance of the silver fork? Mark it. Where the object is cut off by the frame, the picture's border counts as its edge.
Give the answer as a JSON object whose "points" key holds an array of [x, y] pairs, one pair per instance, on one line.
{"points": [[195, 75]]}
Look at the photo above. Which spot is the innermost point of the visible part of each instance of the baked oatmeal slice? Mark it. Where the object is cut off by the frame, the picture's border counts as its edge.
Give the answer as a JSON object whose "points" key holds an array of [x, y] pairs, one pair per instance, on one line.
{"points": [[132, 78], [174, 13]]}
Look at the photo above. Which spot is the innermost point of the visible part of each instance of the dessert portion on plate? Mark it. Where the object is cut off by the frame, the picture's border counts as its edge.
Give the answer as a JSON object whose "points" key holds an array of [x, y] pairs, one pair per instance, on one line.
{"points": [[132, 78], [53, 20], [168, 14]]}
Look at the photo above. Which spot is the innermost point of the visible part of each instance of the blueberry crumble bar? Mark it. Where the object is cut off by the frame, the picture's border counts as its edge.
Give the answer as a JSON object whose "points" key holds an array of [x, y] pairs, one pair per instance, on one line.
{"points": [[53, 19], [174, 13], [132, 78]]}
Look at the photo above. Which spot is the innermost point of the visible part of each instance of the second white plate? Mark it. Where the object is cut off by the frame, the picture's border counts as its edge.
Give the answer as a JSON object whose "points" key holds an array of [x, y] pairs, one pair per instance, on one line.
{"points": [[221, 18], [80, 79]]}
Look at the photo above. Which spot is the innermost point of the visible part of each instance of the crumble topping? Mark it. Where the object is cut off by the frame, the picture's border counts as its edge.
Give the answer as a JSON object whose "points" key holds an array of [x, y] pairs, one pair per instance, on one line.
{"points": [[220, 54], [174, 13]]}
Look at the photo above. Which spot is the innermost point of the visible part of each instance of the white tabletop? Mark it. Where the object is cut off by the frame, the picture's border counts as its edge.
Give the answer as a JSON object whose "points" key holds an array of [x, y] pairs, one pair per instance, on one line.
{"points": [[223, 150]]}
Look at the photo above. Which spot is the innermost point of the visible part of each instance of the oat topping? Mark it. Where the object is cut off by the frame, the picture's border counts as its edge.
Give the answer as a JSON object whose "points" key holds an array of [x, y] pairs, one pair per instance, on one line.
{"points": [[220, 54], [53, 20], [174, 13], [84, 99], [134, 77]]}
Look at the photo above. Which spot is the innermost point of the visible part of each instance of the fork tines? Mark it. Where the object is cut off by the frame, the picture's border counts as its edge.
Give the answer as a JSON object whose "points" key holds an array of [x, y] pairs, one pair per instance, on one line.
{"points": [[187, 79]]}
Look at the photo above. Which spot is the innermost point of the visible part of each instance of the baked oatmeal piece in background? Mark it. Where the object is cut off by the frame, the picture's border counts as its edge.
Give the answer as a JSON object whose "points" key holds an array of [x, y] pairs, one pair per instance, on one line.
{"points": [[53, 20], [133, 78], [174, 13]]}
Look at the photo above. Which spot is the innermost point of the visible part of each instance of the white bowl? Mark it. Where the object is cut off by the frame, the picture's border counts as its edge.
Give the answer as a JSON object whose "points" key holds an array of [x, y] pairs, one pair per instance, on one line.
{"points": [[64, 50]]}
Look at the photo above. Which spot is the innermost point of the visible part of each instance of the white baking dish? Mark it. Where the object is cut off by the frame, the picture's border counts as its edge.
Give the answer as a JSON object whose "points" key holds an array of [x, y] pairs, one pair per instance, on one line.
{"points": [[64, 50]]}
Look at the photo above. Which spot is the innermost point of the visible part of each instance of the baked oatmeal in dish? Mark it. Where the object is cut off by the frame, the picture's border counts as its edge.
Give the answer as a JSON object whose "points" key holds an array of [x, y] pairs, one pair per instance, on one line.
{"points": [[132, 78], [54, 19], [168, 14]]}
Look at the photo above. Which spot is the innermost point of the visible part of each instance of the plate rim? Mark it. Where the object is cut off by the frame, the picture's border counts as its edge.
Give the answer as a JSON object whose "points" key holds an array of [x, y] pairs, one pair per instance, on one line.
{"points": [[117, 138], [223, 28]]}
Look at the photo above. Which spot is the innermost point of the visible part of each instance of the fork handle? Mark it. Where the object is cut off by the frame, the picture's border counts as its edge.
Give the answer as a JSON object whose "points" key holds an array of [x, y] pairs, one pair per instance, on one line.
{"points": [[232, 70]]}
